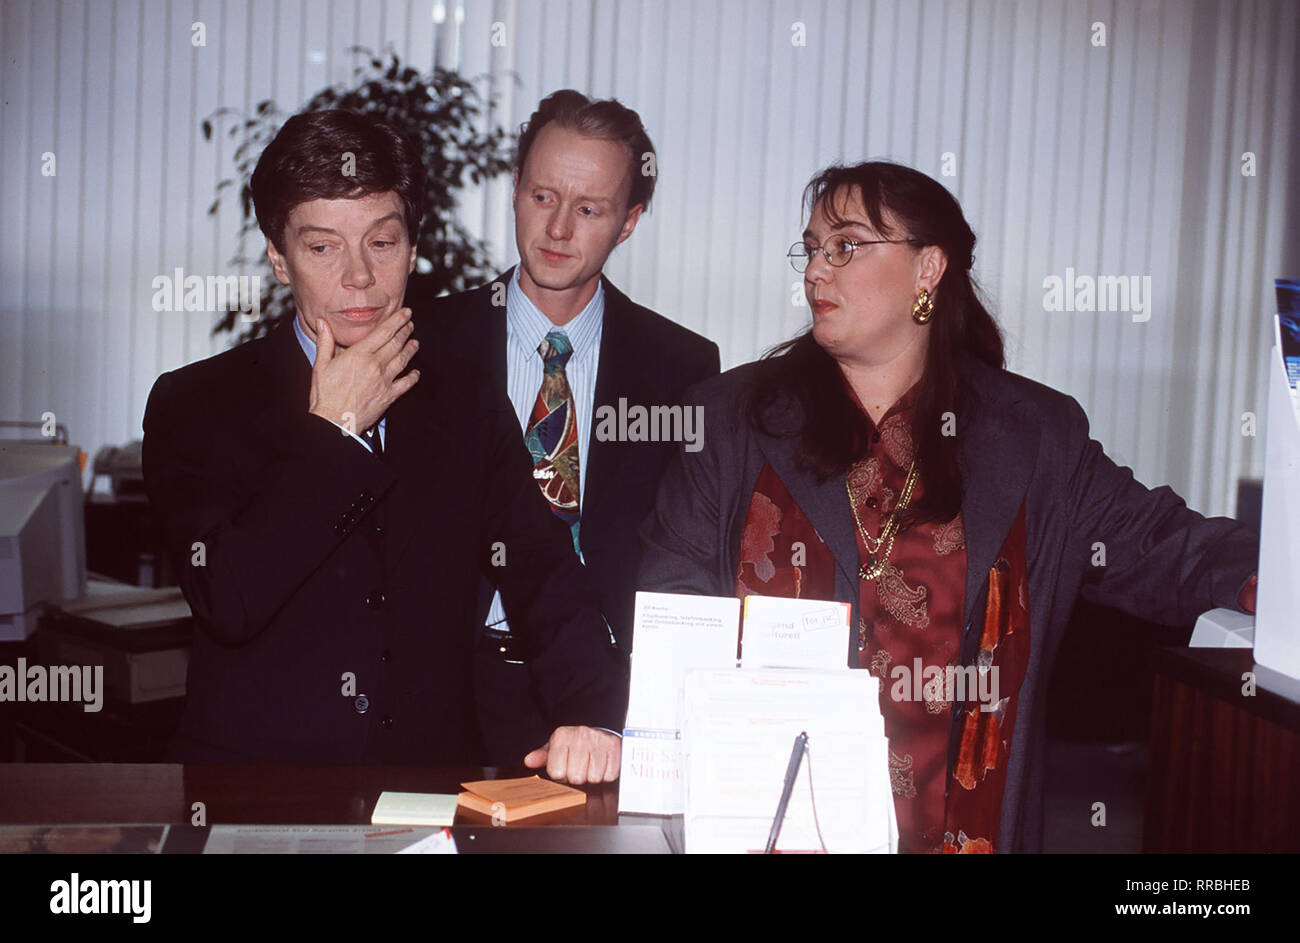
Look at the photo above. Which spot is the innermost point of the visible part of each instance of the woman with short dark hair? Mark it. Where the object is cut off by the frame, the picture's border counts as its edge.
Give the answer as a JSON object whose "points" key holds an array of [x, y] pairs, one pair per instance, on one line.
{"points": [[335, 154], [886, 459]]}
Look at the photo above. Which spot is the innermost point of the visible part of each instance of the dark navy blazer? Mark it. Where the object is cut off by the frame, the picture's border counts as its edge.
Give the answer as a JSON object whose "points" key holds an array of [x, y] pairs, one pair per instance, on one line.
{"points": [[1019, 443], [336, 598]]}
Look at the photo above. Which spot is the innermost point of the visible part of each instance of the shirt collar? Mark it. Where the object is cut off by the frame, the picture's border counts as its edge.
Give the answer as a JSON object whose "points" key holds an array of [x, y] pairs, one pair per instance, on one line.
{"points": [[306, 343], [529, 325], [903, 404]]}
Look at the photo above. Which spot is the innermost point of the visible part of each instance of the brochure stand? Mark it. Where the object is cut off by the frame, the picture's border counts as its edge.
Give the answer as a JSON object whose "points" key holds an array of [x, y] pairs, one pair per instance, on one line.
{"points": [[1277, 611]]}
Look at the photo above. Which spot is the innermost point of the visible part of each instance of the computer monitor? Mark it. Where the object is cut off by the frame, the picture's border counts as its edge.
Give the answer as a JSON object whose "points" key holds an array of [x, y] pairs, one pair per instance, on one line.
{"points": [[42, 527]]}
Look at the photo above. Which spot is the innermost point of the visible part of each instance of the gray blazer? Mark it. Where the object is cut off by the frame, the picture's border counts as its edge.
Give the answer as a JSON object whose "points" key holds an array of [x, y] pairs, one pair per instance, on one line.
{"points": [[1018, 441]]}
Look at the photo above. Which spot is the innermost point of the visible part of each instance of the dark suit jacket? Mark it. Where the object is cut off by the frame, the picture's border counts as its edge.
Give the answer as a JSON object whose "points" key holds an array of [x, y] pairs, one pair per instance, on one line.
{"points": [[644, 358], [1019, 442], [322, 562]]}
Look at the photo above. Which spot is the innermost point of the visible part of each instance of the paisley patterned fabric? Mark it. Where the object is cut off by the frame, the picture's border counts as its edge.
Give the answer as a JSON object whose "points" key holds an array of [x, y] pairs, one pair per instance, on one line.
{"points": [[781, 553], [909, 635], [909, 628], [979, 773]]}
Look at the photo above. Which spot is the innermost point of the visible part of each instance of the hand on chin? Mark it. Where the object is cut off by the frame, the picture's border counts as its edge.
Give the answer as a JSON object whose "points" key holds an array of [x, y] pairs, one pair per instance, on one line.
{"points": [[348, 332]]}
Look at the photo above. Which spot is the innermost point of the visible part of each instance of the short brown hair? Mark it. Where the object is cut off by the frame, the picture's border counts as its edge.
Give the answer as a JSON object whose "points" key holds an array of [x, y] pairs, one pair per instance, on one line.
{"points": [[606, 119], [305, 159]]}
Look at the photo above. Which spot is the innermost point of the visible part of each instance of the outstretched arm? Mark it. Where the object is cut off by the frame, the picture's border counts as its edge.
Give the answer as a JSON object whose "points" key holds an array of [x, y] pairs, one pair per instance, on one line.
{"points": [[1163, 561]]}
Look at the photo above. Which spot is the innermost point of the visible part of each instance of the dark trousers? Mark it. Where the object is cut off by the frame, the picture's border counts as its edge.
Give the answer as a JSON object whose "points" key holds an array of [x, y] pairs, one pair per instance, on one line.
{"points": [[511, 718]]}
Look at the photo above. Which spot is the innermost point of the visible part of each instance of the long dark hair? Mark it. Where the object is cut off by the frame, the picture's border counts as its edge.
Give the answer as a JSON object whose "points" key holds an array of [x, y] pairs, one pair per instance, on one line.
{"points": [[834, 433]]}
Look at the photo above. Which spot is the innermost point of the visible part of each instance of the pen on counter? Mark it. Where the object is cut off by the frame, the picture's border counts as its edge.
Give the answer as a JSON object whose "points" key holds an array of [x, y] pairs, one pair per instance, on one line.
{"points": [[791, 774]]}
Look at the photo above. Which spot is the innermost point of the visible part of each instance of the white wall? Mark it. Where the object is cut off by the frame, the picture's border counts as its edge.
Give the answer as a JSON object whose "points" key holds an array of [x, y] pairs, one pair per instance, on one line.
{"points": [[1116, 160]]}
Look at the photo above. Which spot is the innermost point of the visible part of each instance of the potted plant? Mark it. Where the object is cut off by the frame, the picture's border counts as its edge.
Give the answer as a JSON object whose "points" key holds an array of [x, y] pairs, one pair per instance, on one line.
{"points": [[441, 112]]}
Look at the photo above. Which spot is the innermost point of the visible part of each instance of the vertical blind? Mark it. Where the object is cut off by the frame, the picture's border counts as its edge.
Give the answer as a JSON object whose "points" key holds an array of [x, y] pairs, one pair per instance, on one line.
{"points": [[1093, 140]]}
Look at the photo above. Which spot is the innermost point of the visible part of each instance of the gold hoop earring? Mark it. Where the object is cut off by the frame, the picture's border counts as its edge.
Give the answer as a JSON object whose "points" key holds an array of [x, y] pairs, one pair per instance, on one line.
{"points": [[923, 309]]}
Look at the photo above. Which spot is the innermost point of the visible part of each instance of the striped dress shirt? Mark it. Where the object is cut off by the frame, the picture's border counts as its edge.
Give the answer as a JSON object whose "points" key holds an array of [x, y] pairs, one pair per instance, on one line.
{"points": [[526, 327]]}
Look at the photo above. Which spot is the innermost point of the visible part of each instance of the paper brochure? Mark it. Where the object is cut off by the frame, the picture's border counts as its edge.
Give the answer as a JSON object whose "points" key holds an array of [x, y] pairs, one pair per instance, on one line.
{"points": [[1277, 608], [795, 633], [740, 726], [673, 634], [676, 635]]}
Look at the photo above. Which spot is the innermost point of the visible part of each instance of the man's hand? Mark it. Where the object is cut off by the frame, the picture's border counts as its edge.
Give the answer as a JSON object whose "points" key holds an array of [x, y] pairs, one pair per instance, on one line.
{"points": [[355, 387], [579, 755]]}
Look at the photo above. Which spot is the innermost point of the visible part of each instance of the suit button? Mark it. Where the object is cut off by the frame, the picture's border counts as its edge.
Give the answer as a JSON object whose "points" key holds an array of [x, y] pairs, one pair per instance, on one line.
{"points": [[361, 703], [387, 722], [374, 600], [385, 656]]}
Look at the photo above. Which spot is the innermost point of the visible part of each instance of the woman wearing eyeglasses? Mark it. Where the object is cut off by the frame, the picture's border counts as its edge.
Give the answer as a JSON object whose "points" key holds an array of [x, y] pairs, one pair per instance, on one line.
{"points": [[887, 459]]}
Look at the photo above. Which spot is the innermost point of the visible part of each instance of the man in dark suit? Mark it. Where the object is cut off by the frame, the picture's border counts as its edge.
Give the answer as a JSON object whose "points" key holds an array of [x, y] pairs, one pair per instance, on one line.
{"points": [[577, 359], [334, 510]]}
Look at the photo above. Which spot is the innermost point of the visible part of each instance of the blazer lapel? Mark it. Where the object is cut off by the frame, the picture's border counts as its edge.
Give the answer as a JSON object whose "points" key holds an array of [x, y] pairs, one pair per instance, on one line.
{"points": [[996, 453], [617, 373], [411, 449], [825, 504], [493, 323], [285, 370]]}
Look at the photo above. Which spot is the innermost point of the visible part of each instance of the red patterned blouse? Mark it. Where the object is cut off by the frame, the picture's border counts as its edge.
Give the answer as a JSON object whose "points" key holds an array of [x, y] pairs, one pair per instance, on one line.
{"points": [[909, 632]]}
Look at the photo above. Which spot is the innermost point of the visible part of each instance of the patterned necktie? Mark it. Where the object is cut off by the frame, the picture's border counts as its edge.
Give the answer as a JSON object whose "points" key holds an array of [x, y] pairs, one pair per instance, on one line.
{"points": [[552, 435]]}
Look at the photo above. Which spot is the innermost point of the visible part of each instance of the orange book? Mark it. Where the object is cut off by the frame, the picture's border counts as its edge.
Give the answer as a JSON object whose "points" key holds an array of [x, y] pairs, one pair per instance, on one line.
{"points": [[515, 799]]}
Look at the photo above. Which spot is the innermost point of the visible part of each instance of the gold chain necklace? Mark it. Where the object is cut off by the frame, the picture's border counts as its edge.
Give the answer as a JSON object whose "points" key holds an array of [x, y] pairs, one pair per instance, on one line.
{"points": [[879, 548]]}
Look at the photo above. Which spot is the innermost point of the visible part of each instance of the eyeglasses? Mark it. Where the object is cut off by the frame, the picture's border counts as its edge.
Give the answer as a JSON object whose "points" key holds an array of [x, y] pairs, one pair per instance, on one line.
{"points": [[837, 249]]}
